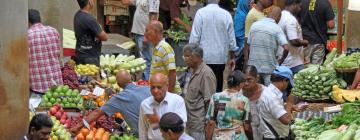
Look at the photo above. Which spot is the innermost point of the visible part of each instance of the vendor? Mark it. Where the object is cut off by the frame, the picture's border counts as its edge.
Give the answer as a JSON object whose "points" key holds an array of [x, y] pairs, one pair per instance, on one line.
{"points": [[170, 10], [40, 128], [356, 82], [126, 102]]}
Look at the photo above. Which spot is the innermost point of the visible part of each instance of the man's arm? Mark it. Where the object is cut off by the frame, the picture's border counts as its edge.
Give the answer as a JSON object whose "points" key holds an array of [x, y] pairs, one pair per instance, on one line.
{"points": [[93, 116], [182, 23], [232, 43], [143, 127], [299, 43], [172, 80], [208, 88], [246, 53], [196, 29], [102, 36], [284, 54], [248, 130], [331, 24]]}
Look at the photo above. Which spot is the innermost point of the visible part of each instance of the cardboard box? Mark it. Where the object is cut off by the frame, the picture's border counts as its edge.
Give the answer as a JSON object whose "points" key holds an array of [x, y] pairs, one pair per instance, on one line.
{"points": [[115, 11]]}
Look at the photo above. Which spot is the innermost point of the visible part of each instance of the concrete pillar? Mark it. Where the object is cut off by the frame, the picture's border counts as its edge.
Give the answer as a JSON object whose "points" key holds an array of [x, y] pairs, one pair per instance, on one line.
{"points": [[14, 81]]}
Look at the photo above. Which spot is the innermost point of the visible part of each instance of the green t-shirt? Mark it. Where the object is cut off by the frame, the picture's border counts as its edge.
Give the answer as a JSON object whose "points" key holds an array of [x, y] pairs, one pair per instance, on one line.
{"points": [[253, 16]]}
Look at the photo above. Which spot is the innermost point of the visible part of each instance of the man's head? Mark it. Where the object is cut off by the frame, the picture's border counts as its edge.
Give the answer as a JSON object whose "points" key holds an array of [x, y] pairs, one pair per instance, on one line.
{"points": [[281, 77], [153, 32], [275, 13], [34, 17], [251, 78], [86, 4], [193, 55], [40, 127], [294, 6], [123, 78], [171, 126], [158, 86], [264, 3]]}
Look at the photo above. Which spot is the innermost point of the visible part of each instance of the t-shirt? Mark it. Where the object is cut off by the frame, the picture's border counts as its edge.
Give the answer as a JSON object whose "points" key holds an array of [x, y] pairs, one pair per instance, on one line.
{"points": [[141, 16], [292, 29], [163, 59], [172, 6], [314, 20], [253, 16], [86, 30]]}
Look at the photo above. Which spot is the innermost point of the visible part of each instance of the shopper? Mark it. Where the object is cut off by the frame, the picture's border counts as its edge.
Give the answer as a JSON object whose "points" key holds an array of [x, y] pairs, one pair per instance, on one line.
{"points": [[230, 111], [127, 102], [172, 127], [88, 35], [44, 54], [141, 18], [213, 30], [163, 57], [292, 29], [274, 118], [264, 37], [200, 85], [153, 108], [39, 128], [316, 17], [169, 10], [253, 91]]}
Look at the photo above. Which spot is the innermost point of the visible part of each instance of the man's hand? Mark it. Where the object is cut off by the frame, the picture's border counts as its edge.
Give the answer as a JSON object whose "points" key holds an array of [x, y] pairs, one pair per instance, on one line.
{"points": [[231, 64], [75, 129], [280, 61], [188, 28], [305, 43], [153, 118]]}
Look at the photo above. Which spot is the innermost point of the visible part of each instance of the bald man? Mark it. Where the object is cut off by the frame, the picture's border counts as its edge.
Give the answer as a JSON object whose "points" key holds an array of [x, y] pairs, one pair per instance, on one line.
{"points": [[163, 56], [264, 37], [154, 107], [127, 102]]}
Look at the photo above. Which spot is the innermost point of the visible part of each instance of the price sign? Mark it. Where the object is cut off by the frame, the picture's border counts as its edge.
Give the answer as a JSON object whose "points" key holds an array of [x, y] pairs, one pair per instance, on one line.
{"points": [[84, 92], [98, 91]]}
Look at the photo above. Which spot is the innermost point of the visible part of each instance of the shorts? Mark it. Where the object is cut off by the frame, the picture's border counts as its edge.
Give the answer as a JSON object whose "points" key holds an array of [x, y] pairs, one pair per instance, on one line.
{"points": [[314, 54]]}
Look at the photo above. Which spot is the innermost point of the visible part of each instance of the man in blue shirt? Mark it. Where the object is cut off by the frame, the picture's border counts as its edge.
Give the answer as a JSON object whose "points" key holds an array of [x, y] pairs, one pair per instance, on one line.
{"points": [[242, 10], [126, 102]]}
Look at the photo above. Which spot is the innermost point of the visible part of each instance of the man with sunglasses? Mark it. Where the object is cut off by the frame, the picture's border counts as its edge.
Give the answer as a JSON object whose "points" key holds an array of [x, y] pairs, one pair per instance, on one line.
{"points": [[275, 115]]}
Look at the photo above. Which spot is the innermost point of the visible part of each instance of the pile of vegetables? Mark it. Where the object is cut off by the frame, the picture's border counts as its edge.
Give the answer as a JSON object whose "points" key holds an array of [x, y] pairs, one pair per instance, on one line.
{"points": [[314, 83], [176, 35], [111, 64], [348, 62], [342, 95], [123, 137], [336, 129]]}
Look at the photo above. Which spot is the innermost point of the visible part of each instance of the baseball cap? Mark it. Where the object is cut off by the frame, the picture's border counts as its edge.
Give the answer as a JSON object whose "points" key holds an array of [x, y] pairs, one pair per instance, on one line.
{"points": [[284, 72]]}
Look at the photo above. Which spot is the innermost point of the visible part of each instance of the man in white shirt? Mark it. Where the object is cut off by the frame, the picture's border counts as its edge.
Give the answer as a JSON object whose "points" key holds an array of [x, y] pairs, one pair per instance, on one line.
{"points": [[213, 30], [154, 107], [275, 116], [292, 29]]}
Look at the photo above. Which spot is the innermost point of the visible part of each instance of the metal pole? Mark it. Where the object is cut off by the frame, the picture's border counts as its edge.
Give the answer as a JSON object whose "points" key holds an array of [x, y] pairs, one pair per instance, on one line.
{"points": [[340, 4]]}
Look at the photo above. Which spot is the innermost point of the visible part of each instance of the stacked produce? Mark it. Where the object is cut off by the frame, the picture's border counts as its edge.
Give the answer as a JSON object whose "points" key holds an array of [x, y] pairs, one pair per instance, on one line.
{"points": [[87, 69], [58, 112], [348, 62], [342, 95], [111, 64], [108, 123], [63, 95], [176, 35], [58, 131], [69, 76], [309, 130], [314, 83], [123, 137], [94, 134]]}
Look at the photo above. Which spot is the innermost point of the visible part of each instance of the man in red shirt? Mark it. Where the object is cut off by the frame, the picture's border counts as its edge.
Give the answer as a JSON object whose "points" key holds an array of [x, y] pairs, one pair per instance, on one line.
{"points": [[44, 54]]}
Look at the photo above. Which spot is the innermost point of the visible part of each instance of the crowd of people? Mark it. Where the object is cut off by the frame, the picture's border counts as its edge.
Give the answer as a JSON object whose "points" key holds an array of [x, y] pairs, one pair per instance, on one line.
{"points": [[263, 50]]}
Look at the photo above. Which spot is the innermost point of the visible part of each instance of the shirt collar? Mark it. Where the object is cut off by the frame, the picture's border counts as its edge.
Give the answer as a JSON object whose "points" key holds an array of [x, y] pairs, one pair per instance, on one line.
{"points": [[158, 45], [183, 136], [201, 66], [165, 100], [130, 86], [213, 5], [36, 25], [269, 19]]}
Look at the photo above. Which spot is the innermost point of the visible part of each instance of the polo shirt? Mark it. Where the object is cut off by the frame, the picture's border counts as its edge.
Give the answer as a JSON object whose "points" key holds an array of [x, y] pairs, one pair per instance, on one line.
{"points": [[163, 59]]}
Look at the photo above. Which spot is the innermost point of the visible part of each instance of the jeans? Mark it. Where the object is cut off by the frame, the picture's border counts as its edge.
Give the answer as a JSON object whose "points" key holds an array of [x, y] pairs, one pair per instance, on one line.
{"points": [[145, 52], [196, 134], [296, 69]]}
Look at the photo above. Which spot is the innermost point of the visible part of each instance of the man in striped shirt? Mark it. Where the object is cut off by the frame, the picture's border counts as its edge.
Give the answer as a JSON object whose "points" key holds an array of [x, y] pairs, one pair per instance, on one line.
{"points": [[163, 57]]}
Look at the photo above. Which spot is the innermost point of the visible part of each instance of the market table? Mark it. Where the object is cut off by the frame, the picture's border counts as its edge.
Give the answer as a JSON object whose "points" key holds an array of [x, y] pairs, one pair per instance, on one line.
{"points": [[110, 46]]}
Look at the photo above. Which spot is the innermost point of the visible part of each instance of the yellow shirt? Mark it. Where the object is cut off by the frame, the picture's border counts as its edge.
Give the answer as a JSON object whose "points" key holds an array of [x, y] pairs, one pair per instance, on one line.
{"points": [[253, 16], [163, 59]]}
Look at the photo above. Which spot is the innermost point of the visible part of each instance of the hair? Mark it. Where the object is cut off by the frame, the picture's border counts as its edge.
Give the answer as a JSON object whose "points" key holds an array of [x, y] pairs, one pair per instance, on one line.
{"points": [[213, 1], [277, 78], [171, 121], [39, 121], [82, 3], [235, 78], [255, 1], [157, 25], [251, 70], [291, 2], [194, 49], [34, 16]]}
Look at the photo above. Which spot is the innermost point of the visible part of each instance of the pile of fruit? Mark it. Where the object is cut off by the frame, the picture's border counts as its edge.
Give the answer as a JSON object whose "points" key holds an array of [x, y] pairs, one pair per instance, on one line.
{"points": [[348, 62], [108, 123], [123, 137], [342, 95], [58, 112], [58, 131], [87, 69], [314, 83], [69, 76], [63, 95], [94, 134], [112, 64]]}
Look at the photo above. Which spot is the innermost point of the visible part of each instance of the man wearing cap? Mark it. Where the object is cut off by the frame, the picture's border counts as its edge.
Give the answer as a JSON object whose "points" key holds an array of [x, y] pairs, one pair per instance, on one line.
{"points": [[172, 128], [275, 115]]}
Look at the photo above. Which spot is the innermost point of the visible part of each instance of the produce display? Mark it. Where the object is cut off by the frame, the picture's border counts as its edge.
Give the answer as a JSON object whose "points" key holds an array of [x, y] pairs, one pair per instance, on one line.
{"points": [[58, 112], [176, 35], [63, 95], [94, 134], [69, 76], [123, 137], [111, 64], [314, 83], [87, 69], [348, 62], [58, 131], [343, 126], [342, 95]]}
